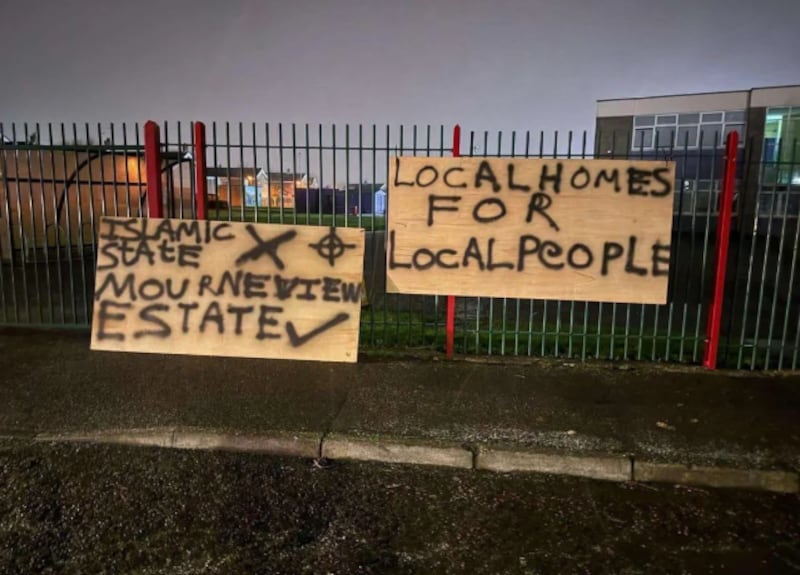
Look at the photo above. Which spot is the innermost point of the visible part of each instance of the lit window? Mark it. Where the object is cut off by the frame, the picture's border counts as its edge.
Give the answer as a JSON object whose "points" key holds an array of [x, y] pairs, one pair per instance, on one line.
{"points": [[781, 147]]}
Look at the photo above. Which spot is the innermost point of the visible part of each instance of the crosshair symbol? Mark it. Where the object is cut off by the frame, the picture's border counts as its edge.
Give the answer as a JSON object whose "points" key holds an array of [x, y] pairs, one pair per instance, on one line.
{"points": [[330, 246]]}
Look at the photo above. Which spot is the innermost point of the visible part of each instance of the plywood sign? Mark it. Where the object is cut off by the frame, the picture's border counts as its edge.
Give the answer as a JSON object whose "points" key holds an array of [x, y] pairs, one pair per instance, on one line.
{"points": [[591, 230], [229, 289]]}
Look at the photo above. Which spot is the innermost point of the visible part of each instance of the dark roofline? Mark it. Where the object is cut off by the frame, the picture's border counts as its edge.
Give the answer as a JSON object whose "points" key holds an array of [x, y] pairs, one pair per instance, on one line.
{"points": [[237, 172], [232, 171], [699, 93]]}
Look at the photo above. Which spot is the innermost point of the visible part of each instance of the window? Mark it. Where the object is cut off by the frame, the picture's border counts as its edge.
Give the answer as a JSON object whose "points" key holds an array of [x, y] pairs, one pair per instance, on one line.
{"points": [[781, 165], [687, 136], [643, 139], [690, 130], [735, 117], [698, 197], [738, 128], [710, 136], [665, 137]]}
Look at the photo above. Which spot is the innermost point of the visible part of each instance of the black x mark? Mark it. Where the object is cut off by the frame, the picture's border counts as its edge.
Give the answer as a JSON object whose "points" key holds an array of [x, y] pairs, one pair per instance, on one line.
{"points": [[269, 247]]}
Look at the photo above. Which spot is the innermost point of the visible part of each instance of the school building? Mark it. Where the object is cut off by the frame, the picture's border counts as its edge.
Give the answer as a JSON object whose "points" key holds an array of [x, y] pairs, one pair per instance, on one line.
{"points": [[691, 129]]}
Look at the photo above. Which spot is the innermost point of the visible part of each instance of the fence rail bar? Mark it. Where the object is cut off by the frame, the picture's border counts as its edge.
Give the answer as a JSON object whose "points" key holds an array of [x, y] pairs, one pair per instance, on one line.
{"points": [[201, 185], [152, 158], [723, 241], [450, 318]]}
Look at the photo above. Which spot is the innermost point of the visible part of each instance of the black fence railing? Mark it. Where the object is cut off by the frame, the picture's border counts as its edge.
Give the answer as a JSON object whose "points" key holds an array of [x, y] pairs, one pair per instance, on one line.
{"points": [[56, 181]]}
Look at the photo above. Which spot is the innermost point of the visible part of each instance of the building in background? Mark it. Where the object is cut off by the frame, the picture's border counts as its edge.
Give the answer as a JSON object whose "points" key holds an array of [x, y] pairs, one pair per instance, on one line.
{"points": [[251, 187], [365, 199], [692, 129], [51, 196]]}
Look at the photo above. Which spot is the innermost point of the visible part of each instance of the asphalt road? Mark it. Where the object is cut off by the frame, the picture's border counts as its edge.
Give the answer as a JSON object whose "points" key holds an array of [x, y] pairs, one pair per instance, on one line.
{"points": [[110, 509]]}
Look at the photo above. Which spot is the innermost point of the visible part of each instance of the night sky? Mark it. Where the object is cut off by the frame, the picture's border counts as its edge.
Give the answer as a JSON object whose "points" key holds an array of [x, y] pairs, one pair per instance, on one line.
{"points": [[497, 64]]}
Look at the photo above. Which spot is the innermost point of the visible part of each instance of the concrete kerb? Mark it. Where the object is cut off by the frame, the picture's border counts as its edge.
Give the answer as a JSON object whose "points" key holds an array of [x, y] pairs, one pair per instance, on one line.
{"points": [[301, 444], [395, 450], [404, 451], [151, 437], [285, 444], [604, 467], [726, 477]]}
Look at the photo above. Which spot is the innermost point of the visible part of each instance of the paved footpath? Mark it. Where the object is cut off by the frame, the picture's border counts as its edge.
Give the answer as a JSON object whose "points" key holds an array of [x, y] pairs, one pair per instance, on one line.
{"points": [[619, 422]]}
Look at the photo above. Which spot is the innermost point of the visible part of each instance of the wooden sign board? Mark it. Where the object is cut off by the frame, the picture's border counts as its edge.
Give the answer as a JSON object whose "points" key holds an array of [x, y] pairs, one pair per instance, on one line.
{"points": [[587, 230], [228, 289]]}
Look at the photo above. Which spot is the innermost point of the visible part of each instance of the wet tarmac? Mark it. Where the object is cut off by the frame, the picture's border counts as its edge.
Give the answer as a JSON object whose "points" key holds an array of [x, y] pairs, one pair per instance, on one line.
{"points": [[103, 509]]}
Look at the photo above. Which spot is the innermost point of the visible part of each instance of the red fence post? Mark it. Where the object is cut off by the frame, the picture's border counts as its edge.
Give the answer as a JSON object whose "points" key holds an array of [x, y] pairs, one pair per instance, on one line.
{"points": [[201, 186], [723, 240], [450, 320], [152, 158]]}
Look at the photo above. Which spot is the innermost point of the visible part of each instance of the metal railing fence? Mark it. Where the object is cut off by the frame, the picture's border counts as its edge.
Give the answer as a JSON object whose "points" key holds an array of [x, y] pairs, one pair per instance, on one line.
{"points": [[57, 180]]}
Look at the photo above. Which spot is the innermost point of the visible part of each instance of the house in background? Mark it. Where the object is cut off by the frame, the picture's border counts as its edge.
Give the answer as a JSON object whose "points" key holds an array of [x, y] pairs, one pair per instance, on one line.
{"points": [[691, 129], [50, 197], [251, 187]]}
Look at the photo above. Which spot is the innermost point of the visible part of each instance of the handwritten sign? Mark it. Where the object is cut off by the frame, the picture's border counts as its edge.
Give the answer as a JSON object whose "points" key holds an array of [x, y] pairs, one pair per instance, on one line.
{"points": [[586, 230], [228, 289]]}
